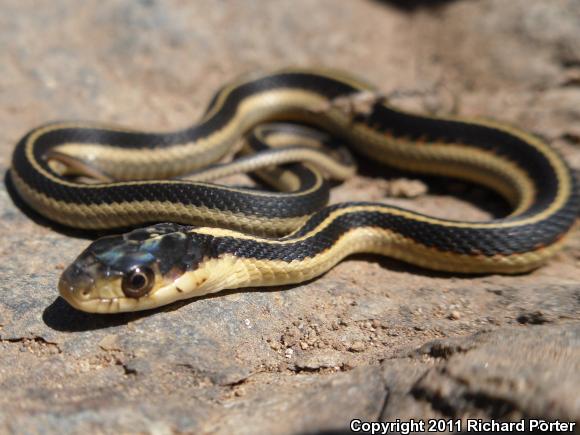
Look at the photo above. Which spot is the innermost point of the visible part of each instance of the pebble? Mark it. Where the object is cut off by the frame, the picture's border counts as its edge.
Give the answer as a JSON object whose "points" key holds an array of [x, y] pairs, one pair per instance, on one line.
{"points": [[357, 346], [454, 315], [109, 342]]}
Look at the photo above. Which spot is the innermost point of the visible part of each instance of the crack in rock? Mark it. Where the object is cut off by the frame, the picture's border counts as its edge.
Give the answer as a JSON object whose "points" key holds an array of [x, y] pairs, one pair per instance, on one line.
{"points": [[35, 344], [454, 400]]}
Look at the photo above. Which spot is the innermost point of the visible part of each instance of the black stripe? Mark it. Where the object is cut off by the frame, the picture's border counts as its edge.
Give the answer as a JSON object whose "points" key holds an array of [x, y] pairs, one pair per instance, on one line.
{"points": [[399, 124], [470, 241], [498, 142], [187, 193]]}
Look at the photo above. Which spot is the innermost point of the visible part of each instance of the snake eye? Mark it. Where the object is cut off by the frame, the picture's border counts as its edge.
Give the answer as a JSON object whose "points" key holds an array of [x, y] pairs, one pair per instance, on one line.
{"points": [[137, 282]]}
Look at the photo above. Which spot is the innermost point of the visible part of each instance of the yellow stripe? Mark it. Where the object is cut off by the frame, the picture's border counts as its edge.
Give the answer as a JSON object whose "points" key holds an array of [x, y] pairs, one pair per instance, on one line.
{"points": [[300, 98], [95, 216]]}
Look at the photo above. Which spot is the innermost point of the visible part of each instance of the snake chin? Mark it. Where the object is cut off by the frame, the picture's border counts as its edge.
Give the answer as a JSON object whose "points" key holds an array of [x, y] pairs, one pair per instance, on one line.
{"points": [[132, 271]]}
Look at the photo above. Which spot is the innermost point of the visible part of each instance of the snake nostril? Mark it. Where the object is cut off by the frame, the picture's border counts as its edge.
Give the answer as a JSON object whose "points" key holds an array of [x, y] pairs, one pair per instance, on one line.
{"points": [[65, 280], [75, 282]]}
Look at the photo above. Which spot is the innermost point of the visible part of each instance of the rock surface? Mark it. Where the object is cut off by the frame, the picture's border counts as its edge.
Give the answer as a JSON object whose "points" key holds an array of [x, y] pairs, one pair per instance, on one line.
{"points": [[373, 338]]}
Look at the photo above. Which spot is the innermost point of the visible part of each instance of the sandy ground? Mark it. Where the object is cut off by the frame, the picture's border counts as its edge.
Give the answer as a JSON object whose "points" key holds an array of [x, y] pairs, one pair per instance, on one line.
{"points": [[373, 338]]}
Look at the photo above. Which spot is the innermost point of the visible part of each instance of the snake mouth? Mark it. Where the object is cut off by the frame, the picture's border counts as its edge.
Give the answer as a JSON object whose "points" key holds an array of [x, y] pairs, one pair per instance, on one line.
{"points": [[78, 289], [75, 287], [113, 305], [79, 297]]}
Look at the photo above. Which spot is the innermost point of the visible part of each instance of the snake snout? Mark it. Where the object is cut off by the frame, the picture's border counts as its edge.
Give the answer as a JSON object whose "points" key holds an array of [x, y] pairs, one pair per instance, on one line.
{"points": [[75, 283]]}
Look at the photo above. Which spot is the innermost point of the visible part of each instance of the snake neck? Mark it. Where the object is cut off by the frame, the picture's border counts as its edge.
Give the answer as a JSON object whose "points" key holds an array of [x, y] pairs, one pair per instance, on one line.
{"points": [[237, 260]]}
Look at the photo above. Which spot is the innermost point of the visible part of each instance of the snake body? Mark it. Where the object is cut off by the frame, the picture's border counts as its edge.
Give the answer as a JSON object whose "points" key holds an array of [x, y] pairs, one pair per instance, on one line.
{"points": [[221, 237]]}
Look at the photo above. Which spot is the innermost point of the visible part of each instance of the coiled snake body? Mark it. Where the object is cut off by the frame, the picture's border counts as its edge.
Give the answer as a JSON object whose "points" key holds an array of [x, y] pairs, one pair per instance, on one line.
{"points": [[222, 237]]}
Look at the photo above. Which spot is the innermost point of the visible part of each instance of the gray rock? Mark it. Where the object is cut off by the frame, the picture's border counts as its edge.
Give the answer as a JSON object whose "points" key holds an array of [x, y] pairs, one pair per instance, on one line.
{"points": [[509, 374], [372, 338]]}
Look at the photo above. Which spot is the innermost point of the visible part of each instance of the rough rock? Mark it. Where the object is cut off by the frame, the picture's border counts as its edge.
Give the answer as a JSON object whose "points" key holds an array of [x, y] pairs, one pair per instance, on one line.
{"points": [[371, 339], [507, 374]]}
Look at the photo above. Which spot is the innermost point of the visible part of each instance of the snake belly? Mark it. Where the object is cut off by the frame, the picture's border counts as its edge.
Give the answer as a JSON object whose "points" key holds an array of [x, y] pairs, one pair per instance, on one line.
{"points": [[221, 237]]}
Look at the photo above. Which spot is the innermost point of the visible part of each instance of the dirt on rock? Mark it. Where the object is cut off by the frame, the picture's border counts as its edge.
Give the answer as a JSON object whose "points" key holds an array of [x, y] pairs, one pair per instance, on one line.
{"points": [[373, 339]]}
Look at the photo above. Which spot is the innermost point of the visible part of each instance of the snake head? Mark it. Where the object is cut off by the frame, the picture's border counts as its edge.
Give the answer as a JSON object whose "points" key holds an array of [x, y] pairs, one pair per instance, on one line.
{"points": [[133, 271]]}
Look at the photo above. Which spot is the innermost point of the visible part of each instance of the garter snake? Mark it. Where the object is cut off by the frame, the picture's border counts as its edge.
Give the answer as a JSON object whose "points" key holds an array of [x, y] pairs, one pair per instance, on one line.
{"points": [[220, 237]]}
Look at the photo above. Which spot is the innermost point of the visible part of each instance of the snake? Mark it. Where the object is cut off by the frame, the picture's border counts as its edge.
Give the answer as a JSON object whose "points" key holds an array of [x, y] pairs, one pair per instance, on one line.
{"points": [[190, 238]]}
